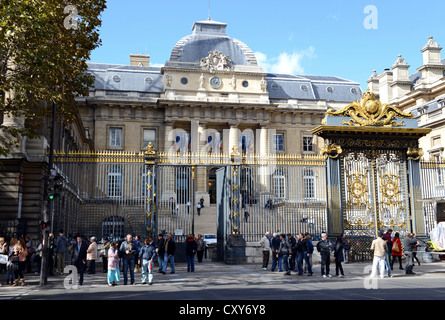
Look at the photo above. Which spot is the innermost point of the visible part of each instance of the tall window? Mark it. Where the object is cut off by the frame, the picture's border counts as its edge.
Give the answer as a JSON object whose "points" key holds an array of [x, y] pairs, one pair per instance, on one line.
{"points": [[308, 144], [278, 142], [308, 183], [115, 137], [149, 136], [114, 182], [439, 170], [279, 184]]}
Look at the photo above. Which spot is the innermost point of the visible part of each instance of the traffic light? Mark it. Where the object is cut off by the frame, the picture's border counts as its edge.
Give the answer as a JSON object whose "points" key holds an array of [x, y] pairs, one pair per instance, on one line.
{"points": [[54, 184]]}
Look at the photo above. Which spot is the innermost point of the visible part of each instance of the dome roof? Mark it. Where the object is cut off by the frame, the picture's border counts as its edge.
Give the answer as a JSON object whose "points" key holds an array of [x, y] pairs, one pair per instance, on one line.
{"points": [[209, 36]]}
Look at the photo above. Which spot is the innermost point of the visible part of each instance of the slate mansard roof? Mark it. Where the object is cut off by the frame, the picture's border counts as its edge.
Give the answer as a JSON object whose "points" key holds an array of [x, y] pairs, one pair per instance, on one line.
{"points": [[208, 36]]}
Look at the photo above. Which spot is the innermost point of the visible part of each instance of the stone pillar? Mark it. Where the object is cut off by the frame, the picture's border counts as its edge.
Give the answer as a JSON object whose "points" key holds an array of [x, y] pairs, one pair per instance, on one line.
{"points": [[201, 171], [166, 178]]}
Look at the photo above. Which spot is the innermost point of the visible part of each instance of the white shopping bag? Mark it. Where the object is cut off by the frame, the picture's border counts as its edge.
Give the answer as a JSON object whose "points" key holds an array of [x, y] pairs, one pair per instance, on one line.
{"points": [[3, 259]]}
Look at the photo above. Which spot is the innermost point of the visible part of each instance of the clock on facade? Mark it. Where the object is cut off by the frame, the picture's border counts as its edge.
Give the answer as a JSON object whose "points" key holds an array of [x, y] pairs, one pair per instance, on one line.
{"points": [[215, 82]]}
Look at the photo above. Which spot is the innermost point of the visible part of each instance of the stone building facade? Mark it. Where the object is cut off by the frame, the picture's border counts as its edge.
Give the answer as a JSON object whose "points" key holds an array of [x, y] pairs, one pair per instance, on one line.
{"points": [[210, 96], [422, 93]]}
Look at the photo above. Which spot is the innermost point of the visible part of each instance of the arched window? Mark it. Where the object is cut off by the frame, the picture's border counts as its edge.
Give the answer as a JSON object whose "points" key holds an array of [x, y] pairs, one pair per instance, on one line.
{"points": [[113, 228], [308, 183], [114, 188]]}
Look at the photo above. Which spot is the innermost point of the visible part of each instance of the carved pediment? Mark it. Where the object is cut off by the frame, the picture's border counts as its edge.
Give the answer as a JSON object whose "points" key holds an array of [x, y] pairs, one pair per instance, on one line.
{"points": [[369, 111], [216, 61]]}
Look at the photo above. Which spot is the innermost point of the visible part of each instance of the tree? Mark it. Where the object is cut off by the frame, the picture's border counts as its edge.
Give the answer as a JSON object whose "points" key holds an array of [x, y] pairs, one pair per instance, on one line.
{"points": [[44, 47]]}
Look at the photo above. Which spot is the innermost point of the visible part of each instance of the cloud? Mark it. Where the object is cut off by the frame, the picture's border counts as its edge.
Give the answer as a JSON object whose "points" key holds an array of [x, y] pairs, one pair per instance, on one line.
{"points": [[157, 65], [288, 63]]}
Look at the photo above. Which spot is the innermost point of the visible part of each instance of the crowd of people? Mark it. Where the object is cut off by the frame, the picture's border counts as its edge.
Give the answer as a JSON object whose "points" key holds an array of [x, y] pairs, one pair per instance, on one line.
{"points": [[286, 253], [291, 253], [118, 257]]}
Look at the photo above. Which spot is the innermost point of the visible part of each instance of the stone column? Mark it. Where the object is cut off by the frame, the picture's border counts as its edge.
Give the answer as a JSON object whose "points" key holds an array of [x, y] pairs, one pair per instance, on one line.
{"points": [[201, 171], [166, 178]]}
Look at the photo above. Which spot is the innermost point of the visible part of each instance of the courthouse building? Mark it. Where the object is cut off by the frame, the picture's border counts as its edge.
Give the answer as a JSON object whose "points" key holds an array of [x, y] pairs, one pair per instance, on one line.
{"points": [[210, 96]]}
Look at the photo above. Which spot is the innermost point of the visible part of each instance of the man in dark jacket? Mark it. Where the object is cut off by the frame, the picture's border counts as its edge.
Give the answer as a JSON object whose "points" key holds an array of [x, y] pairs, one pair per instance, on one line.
{"points": [[129, 249], [293, 245], [190, 250], [79, 257], [146, 255], [160, 250], [305, 251], [169, 254], [284, 252], [325, 247], [275, 245]]}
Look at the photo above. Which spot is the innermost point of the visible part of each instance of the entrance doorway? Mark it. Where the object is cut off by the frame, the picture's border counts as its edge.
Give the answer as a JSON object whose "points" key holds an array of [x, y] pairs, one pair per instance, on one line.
{"points": [[212, 185]]}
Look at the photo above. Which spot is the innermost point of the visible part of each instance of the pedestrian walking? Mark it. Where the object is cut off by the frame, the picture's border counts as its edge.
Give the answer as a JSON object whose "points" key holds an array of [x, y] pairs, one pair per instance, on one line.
{"points": [[146, 258], [30, 250], [61, 245], [409, 243], [310, 248], [79, 257], [92, 255], [415, 253], [338, 255], [169, 254], [201, 246], [113, 264], [137, 240], [380, 248], [18, 257], [246, 216], [388, 239], [396, 251], [198, 209], [293, 243], [3, 251], [284, 252], [324, 246], [38, 256], [160, 246], [305, 251], [275, 243], [346, 248], [265, 248], [129, 250], [190, 250], [104, 254], [10, 266]]}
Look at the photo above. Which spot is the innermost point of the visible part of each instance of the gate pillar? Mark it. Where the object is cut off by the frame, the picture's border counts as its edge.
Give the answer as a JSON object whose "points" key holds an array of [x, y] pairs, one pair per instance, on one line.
{"points": [[373, 170]]}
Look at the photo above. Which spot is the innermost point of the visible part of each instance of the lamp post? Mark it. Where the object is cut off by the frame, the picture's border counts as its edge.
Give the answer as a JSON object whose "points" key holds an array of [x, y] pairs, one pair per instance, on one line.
{"points": [[47, 204]]}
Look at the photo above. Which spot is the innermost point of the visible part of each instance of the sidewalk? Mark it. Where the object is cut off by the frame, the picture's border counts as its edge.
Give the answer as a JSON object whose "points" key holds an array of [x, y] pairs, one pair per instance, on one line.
{"points": [[218, 281]]}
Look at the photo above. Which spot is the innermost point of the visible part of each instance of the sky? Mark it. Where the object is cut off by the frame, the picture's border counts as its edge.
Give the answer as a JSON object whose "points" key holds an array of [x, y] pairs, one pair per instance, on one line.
{"points": [[343, 38]]}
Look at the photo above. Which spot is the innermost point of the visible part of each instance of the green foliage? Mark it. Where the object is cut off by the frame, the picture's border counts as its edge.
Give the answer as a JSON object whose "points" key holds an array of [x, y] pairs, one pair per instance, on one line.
{"points": [[42, 61]]}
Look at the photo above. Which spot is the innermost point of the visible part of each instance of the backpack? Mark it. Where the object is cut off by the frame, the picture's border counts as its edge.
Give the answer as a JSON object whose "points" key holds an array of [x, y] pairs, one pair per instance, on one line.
{"points": [[318, 246], [310, 246]]}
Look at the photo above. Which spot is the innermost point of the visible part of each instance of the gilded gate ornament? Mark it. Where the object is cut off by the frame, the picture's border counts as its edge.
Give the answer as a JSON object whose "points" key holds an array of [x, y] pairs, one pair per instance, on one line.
{"points": [[390, 190], [332, 150], [414, 153], [369, 111]]}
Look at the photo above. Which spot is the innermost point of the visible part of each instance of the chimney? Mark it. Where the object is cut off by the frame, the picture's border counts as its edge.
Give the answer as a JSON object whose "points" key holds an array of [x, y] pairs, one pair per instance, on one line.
{"points": [[141, 60]]}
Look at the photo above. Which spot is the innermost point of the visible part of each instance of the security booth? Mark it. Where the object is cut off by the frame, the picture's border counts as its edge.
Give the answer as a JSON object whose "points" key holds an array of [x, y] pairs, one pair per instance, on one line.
{"points": [[373, 172]]}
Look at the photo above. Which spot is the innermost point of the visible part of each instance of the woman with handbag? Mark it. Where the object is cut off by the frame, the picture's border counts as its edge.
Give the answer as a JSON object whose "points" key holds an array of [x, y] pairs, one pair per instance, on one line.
{"points": [[10, 266], [18, 256], [396, 251]]}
